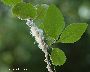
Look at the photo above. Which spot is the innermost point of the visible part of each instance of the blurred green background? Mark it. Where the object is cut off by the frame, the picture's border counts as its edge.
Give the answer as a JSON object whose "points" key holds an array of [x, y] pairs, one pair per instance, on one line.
{"points": [[17, 48]]}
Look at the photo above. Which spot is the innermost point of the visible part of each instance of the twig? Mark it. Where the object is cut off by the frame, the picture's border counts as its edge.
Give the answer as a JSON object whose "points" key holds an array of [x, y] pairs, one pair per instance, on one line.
{"points": [[39, 37]]}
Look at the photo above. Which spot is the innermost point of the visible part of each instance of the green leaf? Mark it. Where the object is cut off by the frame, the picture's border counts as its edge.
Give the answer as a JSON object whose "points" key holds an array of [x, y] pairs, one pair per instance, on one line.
{"points": [[73, 32], [41, 10], [24, 10], [11, 2], [58, 57], [53, 23]]}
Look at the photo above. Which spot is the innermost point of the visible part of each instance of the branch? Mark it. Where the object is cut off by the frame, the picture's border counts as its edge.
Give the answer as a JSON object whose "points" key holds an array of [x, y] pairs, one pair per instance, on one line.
{"points": [[39, 37]]}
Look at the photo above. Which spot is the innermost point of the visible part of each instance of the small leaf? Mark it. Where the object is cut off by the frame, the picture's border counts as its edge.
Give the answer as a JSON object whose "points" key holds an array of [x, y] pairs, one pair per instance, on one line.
{"points": [[53, 23], [58, 57], [73, 32], [11, 2], [41, 10], [24, 10]]}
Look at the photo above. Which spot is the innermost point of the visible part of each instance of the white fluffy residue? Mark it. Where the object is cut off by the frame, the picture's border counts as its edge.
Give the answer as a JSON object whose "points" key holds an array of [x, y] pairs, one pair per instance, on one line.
{"points": [[39, 38]]}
